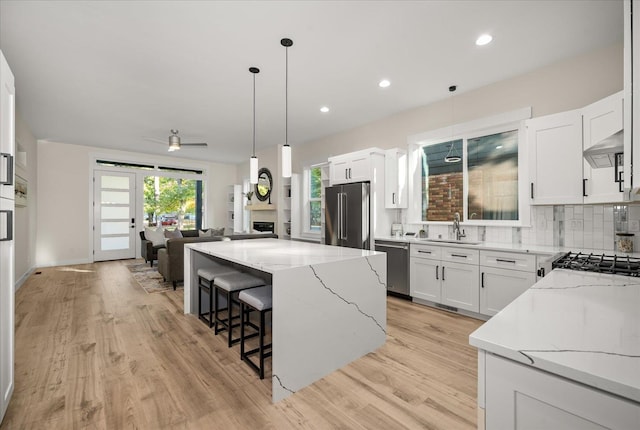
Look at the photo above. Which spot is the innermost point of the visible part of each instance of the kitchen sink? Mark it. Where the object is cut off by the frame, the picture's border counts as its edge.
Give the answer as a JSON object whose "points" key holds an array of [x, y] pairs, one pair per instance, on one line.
{"points": [[459, 242]]}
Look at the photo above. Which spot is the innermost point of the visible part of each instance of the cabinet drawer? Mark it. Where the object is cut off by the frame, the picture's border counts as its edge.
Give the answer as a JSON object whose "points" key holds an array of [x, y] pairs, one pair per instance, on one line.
{"points": [[460, 255], [508, 260], [426, 251]]}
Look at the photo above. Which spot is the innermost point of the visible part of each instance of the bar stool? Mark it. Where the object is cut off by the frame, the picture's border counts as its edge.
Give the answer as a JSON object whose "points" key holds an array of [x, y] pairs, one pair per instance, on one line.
{"points": [[206, 277], [229, 286], [260, 300]]}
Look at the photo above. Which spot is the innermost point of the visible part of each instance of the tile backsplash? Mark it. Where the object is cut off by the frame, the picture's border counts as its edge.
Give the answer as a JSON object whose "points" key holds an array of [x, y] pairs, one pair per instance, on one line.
{"points": [[571, 226]]}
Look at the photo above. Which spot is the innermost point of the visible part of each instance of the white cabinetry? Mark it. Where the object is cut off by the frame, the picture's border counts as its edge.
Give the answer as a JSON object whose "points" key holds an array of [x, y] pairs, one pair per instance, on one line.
{"points": [[445, 275], [503, 277], [522, 397], [234, 208], [288, 211], [353, 167], [395, 174], [7, 249], [599, 121], [555, 156], [631, 97]]}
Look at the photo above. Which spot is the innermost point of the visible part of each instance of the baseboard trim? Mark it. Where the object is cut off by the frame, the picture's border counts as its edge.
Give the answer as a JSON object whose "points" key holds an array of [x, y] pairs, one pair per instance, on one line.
{"points": [[23, 278], [65, 263]]}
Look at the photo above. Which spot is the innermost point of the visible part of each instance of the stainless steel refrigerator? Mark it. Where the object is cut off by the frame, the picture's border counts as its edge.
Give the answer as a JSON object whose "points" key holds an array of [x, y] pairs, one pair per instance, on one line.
{"points": [[347, 215]]}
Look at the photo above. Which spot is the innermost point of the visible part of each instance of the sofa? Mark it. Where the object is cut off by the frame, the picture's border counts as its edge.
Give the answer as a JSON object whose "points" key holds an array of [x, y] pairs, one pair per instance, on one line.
{"points": [[171, 256]]}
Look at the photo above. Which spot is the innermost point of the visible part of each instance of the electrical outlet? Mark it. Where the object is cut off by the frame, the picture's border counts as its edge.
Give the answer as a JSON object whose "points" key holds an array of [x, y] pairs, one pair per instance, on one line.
{"points": [[634, 225]]}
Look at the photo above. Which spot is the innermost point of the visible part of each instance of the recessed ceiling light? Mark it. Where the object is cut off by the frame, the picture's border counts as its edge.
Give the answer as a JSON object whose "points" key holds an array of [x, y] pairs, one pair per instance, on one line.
{"points": [[384, 83], [324, 109], [484, 39]]}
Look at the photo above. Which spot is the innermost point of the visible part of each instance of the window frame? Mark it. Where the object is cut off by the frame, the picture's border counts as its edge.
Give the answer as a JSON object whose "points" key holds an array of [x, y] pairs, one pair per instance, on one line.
{"points": [[509, 121]]}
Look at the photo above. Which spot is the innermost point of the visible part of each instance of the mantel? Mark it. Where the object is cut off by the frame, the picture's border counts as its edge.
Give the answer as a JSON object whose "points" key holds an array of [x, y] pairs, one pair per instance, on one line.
{"points": [[260, 207]]}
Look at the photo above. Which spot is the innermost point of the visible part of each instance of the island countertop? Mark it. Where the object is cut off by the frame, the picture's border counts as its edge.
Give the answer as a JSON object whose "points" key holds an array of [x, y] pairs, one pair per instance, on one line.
{"points": [[582, 326], [272, 255]]}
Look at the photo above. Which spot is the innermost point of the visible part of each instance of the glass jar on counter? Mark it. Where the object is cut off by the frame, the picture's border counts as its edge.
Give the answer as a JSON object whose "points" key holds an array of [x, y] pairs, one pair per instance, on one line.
{"points": [[624, 242]]}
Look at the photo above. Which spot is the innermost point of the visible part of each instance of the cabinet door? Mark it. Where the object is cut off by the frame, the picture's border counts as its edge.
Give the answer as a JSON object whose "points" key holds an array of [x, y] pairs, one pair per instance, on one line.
{"points": [[520, 397], [7, 129], [499, 287], [359, 169], [395, 182], [555, 152], [425, 279], [599, 121], [460, 286], [339, 172]]}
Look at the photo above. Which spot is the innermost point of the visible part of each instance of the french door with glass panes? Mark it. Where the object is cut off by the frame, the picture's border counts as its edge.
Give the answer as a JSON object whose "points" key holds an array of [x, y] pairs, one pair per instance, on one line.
{"points": [[114, 227]]}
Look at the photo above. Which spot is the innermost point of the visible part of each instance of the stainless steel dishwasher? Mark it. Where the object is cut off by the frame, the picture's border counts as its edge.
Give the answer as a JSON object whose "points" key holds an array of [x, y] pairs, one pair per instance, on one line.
{"points": [[397, 266]]}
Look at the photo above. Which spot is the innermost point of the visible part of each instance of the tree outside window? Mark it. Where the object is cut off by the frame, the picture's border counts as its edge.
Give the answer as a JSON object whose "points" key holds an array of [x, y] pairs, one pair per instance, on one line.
{"points": [[315, 198]]}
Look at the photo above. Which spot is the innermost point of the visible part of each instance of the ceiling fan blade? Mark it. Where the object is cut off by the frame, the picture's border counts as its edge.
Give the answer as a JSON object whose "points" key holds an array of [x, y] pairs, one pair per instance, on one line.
{"points": [[154, 140], [194, 144]]}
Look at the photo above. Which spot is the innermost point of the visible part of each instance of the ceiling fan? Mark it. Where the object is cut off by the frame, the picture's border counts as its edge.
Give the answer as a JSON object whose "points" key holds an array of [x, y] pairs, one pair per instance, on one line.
{"points": [[174, 141]]}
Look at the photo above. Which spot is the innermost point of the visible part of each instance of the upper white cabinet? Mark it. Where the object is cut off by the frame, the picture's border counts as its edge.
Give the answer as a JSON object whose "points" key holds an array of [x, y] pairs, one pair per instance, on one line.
{"points": [[600, 121], [555, 157], [353, 167], [631, 98], [395, 172]]}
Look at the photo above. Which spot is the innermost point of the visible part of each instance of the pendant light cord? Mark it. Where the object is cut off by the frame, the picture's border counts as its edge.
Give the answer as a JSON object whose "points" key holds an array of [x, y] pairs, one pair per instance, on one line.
{"points": [[254, 114], [286, 97]]}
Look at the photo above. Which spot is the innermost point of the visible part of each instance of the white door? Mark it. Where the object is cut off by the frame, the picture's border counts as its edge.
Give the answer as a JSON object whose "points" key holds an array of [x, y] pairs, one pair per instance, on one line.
{"points": [[460, 287], [7, 300], [424, 280], [114, 227], [499, 287]]}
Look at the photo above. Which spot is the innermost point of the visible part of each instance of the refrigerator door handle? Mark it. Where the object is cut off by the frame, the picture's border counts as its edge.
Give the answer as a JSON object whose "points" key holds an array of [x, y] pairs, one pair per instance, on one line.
{"points": [[9, 169], [339, 220], [6, 225], [345, 219]]}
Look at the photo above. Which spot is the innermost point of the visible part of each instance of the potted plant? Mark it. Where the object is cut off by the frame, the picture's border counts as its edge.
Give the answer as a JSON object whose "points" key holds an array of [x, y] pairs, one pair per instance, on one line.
{"points": [[249, 194]]}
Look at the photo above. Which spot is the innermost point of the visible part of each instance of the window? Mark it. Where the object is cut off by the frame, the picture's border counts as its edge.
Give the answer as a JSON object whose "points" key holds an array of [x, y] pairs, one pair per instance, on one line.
{"points": [[172, 202], [475, 172], [315, 199]]}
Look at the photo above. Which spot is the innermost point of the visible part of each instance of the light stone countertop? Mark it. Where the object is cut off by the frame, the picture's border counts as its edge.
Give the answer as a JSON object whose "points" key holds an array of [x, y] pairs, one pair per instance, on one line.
{"points": [[507, 247], [581, 326], [272, 255]]}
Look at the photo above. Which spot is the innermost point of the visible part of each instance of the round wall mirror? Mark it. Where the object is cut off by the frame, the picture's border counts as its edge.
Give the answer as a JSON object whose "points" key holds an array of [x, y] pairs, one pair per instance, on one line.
{"points": [[264, 185]]}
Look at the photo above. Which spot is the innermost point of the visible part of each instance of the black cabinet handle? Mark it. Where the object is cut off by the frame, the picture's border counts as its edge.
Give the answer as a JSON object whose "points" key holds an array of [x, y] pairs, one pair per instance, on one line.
{"points": [[532, 190], [437, 268], [8, 235], [9, 170], [443, 273], [482, 280], [393, 198], [584, 188], [424, 252], [459, 255], [502, 260]]}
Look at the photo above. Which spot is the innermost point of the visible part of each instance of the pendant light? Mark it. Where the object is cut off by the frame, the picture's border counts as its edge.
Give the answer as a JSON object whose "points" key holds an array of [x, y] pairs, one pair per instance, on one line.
{"points": [[286, 149], [453, 156], [253, 161]]}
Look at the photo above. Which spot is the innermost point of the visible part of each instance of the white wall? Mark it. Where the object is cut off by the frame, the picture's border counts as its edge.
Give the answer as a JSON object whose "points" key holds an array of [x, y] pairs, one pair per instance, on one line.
{"points": [[64, 185], [25, 217], [566, 85]]}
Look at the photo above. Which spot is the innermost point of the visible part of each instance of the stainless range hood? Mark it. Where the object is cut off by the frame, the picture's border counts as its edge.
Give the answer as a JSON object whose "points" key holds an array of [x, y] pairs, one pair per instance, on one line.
{"points": [[603, 153]]}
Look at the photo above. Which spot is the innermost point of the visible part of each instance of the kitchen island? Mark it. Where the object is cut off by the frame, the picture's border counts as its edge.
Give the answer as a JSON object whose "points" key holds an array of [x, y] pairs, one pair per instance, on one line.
{"points": [[329, 302], [565, 354]]}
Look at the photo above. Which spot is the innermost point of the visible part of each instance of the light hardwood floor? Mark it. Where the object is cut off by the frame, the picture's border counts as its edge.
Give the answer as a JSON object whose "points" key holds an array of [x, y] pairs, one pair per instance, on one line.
{"points": [[93, 350]]}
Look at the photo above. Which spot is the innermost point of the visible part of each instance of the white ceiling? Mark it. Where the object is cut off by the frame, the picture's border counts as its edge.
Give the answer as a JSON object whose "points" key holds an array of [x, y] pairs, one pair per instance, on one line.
{"points": [[109, 73]]}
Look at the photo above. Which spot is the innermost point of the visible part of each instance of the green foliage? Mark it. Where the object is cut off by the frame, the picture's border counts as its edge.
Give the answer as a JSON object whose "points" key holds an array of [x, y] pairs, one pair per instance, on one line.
{"points": [[172, 196], [315, 184]]}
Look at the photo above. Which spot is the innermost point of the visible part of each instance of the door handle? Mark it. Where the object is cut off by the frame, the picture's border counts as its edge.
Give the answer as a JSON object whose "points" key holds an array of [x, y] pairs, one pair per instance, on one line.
{"points": [[437, 268], [349, 172], [459, 255], [443, 273], [344, 217], [617, 172], [532, 190], [6, 221], [584, 188], [502, 260], [346, 173], [339, 220], [393, 198], [9, 158], [482, 280]]}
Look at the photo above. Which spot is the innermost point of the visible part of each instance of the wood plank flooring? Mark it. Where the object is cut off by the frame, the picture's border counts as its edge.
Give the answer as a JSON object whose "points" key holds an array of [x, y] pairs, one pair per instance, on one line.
{"points": [[93, 350]]}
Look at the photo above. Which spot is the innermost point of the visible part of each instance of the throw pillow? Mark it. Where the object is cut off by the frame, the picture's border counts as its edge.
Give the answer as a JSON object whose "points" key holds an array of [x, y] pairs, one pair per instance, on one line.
{"points": [[155, 236], [217, 231], [204, 233], [172, 234]]}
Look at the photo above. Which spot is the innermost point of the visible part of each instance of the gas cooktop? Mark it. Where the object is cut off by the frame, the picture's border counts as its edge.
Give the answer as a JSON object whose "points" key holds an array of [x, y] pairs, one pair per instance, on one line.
{"points": [[603, 263]]}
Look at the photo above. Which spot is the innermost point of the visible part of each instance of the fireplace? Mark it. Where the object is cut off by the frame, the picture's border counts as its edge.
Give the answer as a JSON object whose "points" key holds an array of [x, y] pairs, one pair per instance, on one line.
{"points": [[264, 227]]}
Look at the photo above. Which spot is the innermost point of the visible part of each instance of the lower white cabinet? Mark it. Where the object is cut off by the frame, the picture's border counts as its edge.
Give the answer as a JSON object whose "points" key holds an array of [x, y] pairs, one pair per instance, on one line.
{"points": [[445, 275], [521, 397], [503, 277]]}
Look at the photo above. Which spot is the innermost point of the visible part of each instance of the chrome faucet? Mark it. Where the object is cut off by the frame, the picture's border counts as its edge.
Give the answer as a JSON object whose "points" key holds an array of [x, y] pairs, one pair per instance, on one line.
{"points": [[456, 227]]}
